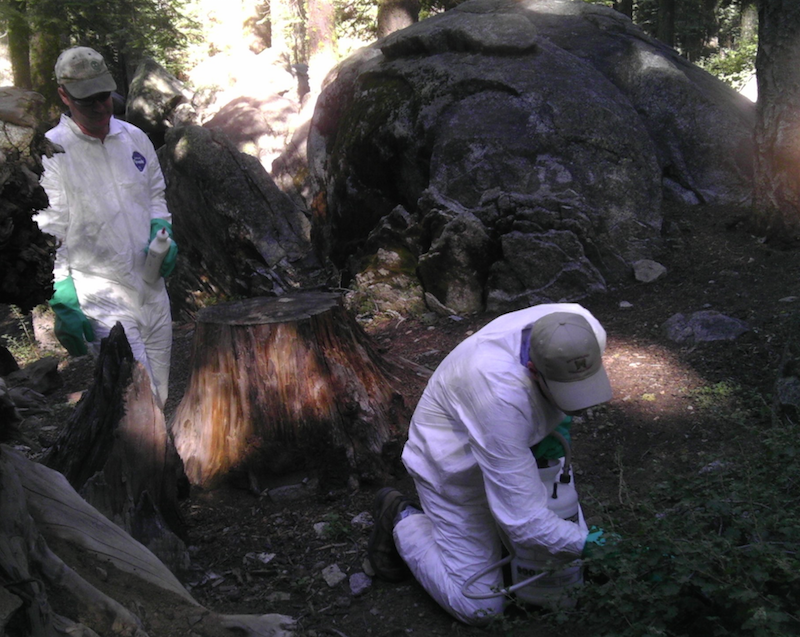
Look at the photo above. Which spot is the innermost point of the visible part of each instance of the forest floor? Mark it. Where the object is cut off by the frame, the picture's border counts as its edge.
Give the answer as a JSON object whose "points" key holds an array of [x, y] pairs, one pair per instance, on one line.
{"points": [[253, 555]]}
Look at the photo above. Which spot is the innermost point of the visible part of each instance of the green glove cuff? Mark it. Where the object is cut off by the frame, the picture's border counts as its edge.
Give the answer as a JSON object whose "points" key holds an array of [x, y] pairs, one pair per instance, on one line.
{"points": [[158, 224]]}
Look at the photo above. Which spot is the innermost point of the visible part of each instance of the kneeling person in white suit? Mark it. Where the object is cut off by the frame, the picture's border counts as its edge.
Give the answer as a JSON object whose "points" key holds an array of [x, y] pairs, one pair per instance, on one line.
{"points": [[496, 395]]}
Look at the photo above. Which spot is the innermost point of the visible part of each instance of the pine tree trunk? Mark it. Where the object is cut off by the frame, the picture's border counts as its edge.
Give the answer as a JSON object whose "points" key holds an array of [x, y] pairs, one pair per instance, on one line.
{"points": [[777, 133]]}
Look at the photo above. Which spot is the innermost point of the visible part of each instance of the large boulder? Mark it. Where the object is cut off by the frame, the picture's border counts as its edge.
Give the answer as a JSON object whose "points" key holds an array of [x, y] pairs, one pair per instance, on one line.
{"points": [[530, 144]]}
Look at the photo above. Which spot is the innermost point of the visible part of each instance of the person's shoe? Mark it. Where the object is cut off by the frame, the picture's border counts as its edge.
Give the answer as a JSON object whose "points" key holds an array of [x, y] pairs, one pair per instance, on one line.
{"points": [[381, 550]]}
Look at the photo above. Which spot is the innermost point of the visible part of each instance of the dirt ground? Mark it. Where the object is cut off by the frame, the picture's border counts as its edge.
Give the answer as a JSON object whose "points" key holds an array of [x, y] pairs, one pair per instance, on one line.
{"points": [[252, 555]]}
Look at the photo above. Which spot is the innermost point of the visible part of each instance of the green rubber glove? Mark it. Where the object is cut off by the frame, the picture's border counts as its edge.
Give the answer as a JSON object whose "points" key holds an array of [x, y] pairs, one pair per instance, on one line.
{"points": [[549, 448], [598, 541], [168, 264], [72, 328]]}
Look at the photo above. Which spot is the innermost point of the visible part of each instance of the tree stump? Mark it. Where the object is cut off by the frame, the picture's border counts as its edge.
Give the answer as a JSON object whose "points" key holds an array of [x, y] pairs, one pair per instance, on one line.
{"points": [[280, 384], [116, 452]]}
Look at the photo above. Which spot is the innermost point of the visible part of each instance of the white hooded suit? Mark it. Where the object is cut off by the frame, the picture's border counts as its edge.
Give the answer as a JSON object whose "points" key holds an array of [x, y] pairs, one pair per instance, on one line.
{"points": [[103, 195], [469, 452]]}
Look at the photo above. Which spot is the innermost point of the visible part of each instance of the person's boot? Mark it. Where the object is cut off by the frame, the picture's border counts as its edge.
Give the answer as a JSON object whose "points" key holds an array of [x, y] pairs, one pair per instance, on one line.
{"points": [[381, 550]]}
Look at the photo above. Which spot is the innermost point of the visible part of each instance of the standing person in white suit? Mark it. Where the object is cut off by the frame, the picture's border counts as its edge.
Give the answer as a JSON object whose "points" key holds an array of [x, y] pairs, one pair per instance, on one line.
{"points": [[496, 395], [106, 194]]}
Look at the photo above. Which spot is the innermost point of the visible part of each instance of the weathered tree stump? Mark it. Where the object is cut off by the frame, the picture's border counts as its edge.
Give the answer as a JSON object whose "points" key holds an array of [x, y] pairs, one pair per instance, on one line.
{"points": [[284, 384], [66, 569], [116, 452]]}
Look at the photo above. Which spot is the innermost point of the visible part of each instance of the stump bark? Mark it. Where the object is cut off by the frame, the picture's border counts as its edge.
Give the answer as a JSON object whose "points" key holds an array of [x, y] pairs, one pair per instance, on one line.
{"points": [[281, 384], [116, 452]]}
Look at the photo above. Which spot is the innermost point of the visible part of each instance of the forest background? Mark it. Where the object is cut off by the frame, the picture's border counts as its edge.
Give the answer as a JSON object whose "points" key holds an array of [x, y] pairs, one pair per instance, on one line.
{"points": [[719, 35]]}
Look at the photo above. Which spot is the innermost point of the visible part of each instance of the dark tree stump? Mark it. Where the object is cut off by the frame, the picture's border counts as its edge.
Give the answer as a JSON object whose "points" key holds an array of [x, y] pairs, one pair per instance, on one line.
{"points": [[285, 384], [117, 453]]}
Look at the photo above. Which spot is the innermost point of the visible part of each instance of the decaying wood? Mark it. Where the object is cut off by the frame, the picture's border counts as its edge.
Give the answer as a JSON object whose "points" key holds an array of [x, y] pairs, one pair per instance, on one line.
{"points": [[285, 383], [65, 569], [26, 254], [116, 452]]}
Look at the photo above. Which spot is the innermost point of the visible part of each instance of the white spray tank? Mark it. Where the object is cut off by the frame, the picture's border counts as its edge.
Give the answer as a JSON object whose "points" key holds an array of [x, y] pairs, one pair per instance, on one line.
{"points": [[537, 576], [158, 249]]}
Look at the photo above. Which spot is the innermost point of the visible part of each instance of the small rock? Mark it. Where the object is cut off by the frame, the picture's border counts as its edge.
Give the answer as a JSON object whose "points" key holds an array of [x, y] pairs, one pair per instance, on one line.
{"points": [[321, 529], [359, 583], [290, 493], [647, 271], [787, 299], [625, 305], [333, 575], [41, 376], [367, 566], [704, 326], [258, 558], [362, 521]]}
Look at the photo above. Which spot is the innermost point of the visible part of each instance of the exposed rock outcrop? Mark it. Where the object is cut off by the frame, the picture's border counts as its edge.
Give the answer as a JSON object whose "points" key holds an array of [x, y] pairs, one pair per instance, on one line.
{"points": [[530, 145]]}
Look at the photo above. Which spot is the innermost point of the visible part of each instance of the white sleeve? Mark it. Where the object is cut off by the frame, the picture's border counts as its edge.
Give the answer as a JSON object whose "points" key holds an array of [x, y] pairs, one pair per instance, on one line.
{"points": [[503, 413], [54, 219]]}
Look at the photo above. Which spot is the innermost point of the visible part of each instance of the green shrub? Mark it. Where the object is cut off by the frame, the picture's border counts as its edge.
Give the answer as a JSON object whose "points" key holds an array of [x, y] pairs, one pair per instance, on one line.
{"points": [[712, 551]]}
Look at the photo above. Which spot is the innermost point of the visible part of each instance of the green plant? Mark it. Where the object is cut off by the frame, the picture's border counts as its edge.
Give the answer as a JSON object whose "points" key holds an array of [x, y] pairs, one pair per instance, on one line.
{"points": [[23, 348], [336, 527], [712, 551], [735, 66]]}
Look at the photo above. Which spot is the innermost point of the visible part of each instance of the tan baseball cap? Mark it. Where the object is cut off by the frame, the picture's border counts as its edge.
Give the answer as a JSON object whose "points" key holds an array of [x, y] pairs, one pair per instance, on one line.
{"points": [[566, 353], [83, 72]]}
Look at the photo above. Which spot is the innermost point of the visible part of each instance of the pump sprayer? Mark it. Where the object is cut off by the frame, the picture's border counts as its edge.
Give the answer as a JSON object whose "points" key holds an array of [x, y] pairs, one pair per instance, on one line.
{"points": [[537, 577]]}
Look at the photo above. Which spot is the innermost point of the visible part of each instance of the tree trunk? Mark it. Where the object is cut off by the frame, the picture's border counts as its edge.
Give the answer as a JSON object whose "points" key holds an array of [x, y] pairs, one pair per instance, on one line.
{"points": [[321, 30], [665, 25], [115, 450], [285, 384], [394, 15], [45, 45], [19, 36], [625, 7], [777, 131], [288, 20]]}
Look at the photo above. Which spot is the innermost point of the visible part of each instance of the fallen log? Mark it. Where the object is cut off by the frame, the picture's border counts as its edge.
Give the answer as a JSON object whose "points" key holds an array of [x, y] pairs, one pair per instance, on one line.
{"points": [[65, 569]]}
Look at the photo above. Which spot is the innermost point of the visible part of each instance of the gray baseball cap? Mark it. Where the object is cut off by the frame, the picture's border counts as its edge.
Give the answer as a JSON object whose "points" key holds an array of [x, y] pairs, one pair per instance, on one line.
{"points": [[566, 353], [83, 72]]}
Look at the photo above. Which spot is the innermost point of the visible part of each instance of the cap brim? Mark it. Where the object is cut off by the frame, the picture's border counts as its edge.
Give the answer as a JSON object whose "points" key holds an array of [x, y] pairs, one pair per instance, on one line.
{"points": [[84, 88], [583, 393]]}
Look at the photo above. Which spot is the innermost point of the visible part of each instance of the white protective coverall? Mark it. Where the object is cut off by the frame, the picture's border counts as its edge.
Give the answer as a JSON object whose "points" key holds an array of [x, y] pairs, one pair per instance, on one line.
{"points": [[103, 195], [468, 451]]}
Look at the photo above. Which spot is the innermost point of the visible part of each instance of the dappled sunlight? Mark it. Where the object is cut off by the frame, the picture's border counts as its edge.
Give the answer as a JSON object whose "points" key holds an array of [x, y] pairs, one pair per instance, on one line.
{"points": [[643, 377]]}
